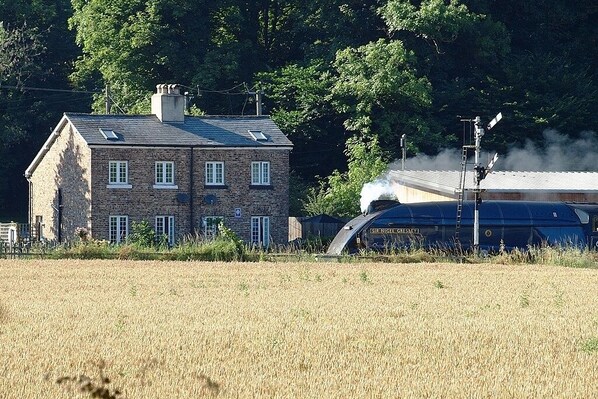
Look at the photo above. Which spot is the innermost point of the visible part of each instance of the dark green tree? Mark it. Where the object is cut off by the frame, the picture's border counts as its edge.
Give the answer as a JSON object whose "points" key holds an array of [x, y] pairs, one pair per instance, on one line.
{"points": [[339, 193], [37, 52], [300, 103], [380, 91]]}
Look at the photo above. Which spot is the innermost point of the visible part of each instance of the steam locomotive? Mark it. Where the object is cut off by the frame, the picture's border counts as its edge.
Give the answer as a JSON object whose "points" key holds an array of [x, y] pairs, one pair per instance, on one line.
{"points": [[504, 225]]}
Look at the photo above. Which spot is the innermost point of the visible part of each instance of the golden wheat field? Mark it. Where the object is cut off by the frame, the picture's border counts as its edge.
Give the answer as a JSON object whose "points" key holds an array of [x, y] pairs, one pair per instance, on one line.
{"points": [[296, 330]]}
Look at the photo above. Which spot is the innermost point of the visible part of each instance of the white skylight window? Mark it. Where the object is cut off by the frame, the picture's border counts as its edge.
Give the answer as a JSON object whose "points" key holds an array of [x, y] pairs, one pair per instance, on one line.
{"points": [[258, 135], [109, 134]]}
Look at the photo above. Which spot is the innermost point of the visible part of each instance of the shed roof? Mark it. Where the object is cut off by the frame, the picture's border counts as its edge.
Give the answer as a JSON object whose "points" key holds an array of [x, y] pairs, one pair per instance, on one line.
{"points": [[499, 181]]}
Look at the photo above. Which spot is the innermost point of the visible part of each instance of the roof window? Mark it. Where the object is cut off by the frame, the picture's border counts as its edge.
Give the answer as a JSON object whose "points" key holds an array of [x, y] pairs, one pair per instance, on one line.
{"points": [[258, 135], [109, 134]]}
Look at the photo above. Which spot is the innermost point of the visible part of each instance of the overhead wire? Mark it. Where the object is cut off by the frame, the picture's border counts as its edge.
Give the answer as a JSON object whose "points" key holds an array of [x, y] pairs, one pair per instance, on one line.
{"points": [[29, 88], [23, 104], [199, 90], [240, 89]]}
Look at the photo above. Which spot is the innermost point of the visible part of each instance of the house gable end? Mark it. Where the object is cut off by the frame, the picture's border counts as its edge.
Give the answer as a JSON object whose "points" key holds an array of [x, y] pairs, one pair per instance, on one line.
{"points": [[48, 144]]}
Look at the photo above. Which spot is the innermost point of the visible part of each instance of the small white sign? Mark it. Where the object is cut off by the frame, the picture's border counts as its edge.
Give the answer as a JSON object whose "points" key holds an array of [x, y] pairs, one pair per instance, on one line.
{"points": [[237, 212]]}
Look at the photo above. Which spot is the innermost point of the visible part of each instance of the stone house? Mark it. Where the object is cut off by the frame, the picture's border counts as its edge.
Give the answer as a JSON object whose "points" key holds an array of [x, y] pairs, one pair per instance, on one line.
{"points": [[183, 174]]}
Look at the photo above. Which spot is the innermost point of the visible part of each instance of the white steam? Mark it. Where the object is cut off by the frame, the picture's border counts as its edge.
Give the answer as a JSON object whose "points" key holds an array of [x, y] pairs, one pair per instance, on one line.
{"points": [[447, 159], [559, 153], [381, 188]]}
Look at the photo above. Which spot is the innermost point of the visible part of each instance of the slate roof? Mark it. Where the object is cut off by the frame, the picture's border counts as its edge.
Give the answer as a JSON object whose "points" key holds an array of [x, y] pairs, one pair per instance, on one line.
{"points": [[148, 130], [499, 181]]}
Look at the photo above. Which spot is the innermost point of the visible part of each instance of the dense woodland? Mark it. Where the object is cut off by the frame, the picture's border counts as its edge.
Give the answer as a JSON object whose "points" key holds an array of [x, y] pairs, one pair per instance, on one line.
{"points": [[340, 77]]}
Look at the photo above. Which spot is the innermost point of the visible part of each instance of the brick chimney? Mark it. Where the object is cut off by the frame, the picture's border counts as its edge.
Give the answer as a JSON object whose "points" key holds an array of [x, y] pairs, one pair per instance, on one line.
{"points": [[168, 104]]}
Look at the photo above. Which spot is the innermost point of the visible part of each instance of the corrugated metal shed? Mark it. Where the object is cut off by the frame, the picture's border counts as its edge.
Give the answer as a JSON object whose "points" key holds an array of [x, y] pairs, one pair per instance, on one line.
{"points": [[566, 186]]}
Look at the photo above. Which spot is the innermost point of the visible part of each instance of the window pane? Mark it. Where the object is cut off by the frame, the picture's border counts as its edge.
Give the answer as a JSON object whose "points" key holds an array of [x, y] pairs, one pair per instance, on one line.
{"points": [[255, 230], [123, 229], [255, 173], [210, 225], [265, 231], [159, 225], [171, 230], [169, 175], [117, 229], [214, 172], [209, 173], [112, 172], [219, 173], [266, 173], [112, 229], [159, 172], [123, 172]]}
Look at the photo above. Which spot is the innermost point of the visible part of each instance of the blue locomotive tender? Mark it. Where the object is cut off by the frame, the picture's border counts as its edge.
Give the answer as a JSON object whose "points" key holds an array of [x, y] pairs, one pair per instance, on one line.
{"points": [[503, 225]]}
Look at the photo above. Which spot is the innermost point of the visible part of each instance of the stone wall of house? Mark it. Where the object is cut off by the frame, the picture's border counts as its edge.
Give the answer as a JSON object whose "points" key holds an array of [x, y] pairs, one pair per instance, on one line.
{"points": [[191, 200], [238, 200], [65, 167], [142, 201]]}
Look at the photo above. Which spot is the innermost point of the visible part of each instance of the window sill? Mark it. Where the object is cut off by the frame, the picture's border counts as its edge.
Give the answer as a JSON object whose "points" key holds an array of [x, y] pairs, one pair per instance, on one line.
{"points": [[215, 186], [166, 186], [119, 186], [261, 187]]}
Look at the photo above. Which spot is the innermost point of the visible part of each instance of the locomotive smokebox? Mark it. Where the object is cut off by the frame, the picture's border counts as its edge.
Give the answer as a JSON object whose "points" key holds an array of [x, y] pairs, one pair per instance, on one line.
{"points": [[378, 205]]}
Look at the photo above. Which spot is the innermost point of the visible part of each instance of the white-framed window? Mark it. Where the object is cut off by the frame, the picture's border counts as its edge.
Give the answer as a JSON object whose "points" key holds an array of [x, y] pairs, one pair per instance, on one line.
{"points": [[260, 173], [118, 228], [118, 173], [165, 228], [164, 172], [164, 175], [260, 230], [209, 225], [214, 173]]}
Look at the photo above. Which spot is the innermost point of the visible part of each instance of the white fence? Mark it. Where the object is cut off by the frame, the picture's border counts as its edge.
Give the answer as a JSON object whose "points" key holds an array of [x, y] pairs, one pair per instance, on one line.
{"points": [[12, 234]]}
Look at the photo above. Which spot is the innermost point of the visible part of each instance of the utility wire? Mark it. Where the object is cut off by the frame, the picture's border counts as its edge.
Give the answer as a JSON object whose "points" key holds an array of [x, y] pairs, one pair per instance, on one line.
{"points": [[233, 91], [46, 89], [228, 92]]}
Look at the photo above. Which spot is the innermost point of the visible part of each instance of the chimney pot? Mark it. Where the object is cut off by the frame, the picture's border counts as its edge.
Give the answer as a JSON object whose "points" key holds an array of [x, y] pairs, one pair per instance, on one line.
{"points": [[168, 104]]}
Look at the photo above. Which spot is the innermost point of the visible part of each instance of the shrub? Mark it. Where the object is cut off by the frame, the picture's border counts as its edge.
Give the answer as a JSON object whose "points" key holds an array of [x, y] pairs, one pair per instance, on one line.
{"points": [[142, 234], [135, 252], [82, 233], [214, 250], [92, 249]]}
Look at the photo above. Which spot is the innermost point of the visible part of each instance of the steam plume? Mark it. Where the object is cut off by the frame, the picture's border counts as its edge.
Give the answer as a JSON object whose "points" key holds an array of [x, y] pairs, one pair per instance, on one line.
{"points": [[381, 188], [559, 153]]}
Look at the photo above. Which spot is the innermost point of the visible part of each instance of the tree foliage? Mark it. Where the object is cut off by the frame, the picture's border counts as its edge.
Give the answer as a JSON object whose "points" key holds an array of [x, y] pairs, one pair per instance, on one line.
{"points": [[19, 48], [36, 50], [434, 20], [339, 193], [378, 88], [300, 102]]}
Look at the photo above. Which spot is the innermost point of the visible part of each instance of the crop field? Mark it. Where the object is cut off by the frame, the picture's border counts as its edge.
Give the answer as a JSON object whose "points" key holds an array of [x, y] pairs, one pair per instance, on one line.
{"points": [[133, 329]]}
